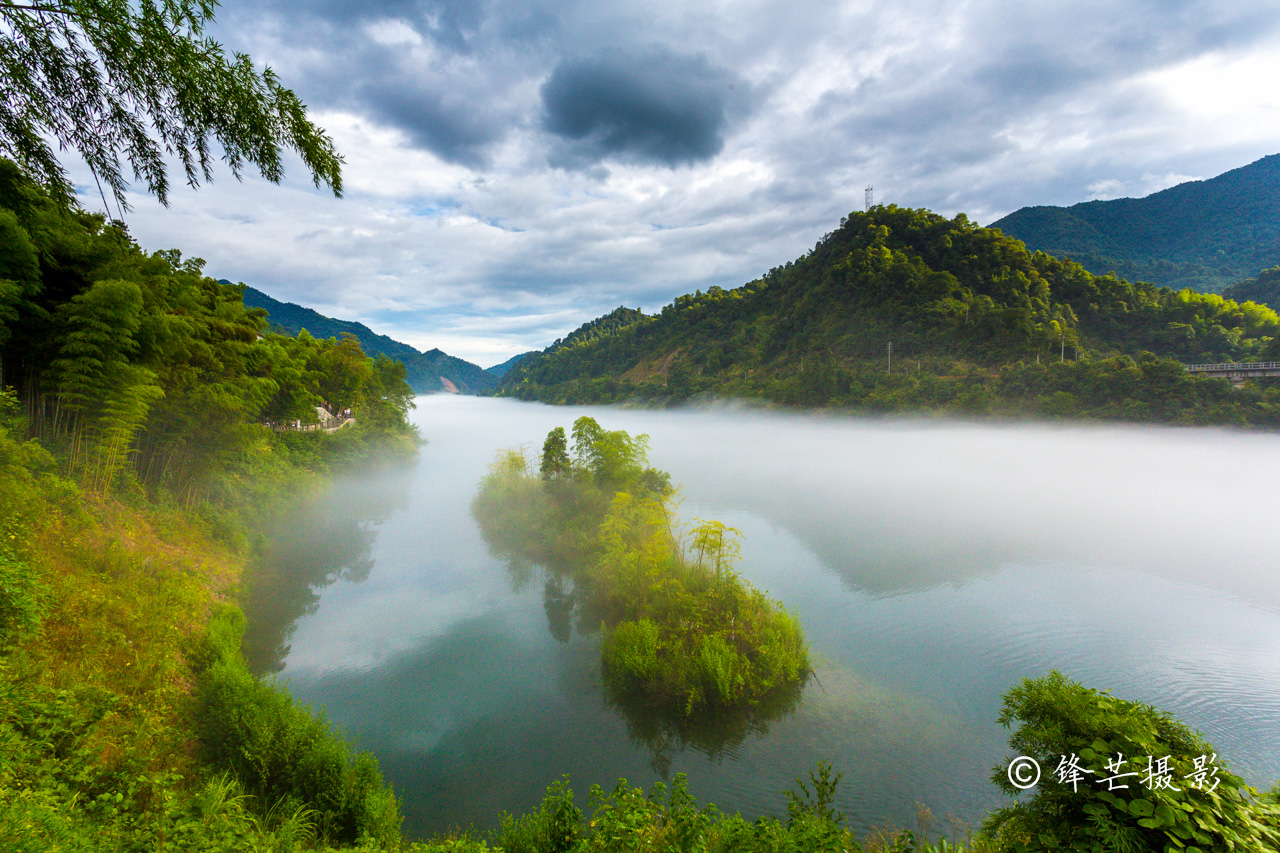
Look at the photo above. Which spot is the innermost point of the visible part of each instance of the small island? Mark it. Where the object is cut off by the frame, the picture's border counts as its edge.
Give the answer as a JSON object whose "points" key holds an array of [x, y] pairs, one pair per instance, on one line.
{"points": [[681, 629]]}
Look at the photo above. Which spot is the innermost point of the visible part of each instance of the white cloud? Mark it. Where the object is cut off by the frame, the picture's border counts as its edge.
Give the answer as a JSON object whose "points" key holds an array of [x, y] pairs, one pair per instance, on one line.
{"points": [[457, 231]]}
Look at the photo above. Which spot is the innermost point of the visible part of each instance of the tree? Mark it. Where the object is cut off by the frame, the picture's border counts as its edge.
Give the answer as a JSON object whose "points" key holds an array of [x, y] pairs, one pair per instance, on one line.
{"points": [[108, 78], [555, 455]]}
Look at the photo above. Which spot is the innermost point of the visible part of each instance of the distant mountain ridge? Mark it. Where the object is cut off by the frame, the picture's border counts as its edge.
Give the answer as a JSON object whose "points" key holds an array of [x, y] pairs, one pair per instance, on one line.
{"points": [[426, 371], [1205, 235], [902, 310], [500, 370], [1264, 290]]}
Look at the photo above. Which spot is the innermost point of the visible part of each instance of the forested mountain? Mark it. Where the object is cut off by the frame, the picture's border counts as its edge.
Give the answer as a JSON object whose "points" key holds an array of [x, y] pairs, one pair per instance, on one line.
{"points": [[1201, 234], [1265, 289], [500, 370], [976, 322], [140, 367], [424, 371]]}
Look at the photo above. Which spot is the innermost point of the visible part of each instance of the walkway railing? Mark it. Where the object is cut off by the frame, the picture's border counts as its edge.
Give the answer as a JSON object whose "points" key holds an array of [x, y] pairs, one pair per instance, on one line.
{"points": [[1223, 368], [298, 426]]}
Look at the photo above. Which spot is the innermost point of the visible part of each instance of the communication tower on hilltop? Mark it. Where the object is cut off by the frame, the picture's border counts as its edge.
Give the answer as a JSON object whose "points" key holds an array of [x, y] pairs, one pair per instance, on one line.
{"points": [[870, 197]]}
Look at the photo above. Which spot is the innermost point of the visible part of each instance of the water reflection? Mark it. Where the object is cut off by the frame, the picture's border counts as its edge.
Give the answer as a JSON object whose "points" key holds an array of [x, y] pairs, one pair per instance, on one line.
{"points": [[327, 538], [658, 728], [932, 565], [558, 602], [714, 734]]}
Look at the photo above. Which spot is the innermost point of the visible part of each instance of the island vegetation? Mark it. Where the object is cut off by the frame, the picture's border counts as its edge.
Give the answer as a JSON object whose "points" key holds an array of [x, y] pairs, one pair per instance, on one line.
{"points": [[680, 627], [902, 310]]}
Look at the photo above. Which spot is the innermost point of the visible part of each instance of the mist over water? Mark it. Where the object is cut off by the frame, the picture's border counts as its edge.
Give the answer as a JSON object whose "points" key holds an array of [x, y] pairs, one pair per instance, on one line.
{"points": [[932, 563]]}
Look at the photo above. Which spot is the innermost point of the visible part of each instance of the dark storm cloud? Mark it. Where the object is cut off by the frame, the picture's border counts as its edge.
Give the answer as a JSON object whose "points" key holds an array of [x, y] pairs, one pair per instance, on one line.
{"points": [[446, 123], [653, 107]]}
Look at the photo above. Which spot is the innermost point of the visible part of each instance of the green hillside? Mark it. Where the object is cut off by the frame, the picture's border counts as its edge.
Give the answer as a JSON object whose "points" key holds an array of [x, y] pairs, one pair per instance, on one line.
{"points": [[1201, 234], [424, 370], [148, 421], [500, 370], [976, 322], [1265, 289]]}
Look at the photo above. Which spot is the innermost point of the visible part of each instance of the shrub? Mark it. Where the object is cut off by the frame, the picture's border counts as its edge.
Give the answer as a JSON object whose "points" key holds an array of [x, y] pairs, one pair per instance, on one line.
{"points": [[553, 828], [1199, 805], [22, 604], [630, 653], [283, 754]]}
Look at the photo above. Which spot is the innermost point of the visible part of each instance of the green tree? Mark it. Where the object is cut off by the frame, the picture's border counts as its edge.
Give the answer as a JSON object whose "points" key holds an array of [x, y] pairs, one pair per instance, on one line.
{"points": [[108, 78], [19, 273], [555, 455], [344, 370], [105, 394]]}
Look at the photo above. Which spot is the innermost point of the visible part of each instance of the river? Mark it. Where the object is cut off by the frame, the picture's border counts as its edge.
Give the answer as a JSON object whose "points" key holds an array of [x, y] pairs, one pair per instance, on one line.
{"points": [[932, 563]]}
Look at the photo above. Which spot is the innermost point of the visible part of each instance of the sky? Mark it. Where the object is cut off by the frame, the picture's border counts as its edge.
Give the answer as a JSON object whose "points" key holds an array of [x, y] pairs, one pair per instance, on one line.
{"points": [[514, 169]]}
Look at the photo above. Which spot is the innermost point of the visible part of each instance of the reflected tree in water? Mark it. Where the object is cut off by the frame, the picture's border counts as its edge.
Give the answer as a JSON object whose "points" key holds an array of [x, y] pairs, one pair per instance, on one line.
{"points": [[558, 602], [692, 655], [713, 733], [321, 541]]}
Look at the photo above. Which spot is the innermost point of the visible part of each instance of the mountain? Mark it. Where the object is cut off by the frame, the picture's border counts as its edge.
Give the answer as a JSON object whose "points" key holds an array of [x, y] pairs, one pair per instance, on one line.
{"points": [[904, 310], [1201, 234], [430, 372], [500, 370], [1265, 289], [435, 368]]}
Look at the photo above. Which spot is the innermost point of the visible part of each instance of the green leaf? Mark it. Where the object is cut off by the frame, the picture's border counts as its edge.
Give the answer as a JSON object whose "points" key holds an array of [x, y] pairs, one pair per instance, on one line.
{"points": [[1141, 808]]}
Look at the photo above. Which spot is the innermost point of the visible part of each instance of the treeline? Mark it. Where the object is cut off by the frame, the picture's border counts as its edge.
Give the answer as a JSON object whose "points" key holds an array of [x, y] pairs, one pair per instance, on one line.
{"points": [[681, 629], [146, 419], [1263, 289], [137, 368], [959, 303], [423, 370], [1199, 234]]}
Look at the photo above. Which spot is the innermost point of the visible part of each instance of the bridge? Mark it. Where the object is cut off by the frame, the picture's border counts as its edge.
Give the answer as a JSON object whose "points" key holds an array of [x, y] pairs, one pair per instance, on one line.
{"points": [[1237, 373]]}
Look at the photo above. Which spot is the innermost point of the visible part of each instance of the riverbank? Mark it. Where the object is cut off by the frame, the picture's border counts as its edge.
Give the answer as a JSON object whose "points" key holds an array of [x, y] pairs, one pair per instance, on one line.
{"points": [[119, 660]]}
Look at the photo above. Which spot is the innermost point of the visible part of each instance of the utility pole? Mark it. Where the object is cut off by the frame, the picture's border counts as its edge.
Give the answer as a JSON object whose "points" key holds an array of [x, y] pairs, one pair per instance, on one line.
{"points": [[891, 356], [1062, 353]]}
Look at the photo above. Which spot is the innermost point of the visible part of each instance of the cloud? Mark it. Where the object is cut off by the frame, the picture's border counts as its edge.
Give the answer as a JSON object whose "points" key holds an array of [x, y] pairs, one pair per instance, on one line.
{"points": [[554, 162], [444, 123], [648, 107]]}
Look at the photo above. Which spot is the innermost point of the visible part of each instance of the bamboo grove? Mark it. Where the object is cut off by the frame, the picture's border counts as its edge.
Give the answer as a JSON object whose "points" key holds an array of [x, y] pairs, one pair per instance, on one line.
{"points": [[139, 369]]}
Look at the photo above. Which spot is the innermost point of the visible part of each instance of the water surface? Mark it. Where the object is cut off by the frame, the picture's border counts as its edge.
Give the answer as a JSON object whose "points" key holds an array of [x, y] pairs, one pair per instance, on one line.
{"points": [[932, 563]]}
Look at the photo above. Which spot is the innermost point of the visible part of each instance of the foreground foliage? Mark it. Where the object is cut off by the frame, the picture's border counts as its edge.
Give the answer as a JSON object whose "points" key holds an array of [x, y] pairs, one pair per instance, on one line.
{"points": [[107, 78], [680, 627], [1129, 778]]}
